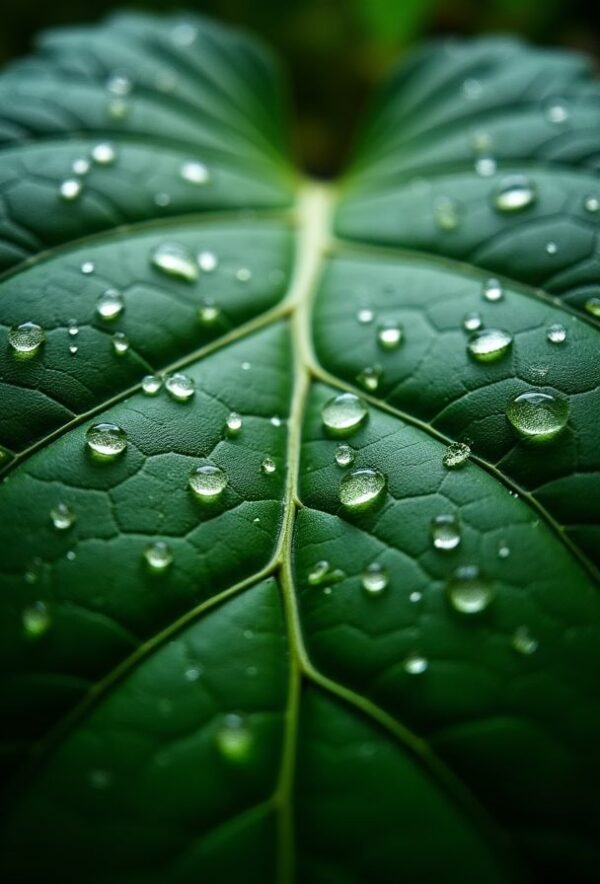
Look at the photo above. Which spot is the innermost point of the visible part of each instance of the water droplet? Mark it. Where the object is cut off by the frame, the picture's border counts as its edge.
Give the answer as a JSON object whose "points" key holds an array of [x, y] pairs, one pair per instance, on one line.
{"points": [[445, 532], [87, 267], [195, 172], [99, 779], [344, 455], [158, 556], [481, 142], [514, 194], [485, 166], [234, 738], [174, 260], [362, 488], [119, 84], [472, 88], [415, 664], [268, 466], [36, 619], [415, 597], [389, 335], [374, 579], [246, 366], [592, 305], [234, 423], [556, 333], [192, 674], [503, 550], [243, 274], [80, 166], [104, 153], [151, 384], [110, 304], [446, 214], [106, 439], [120, 343], [456, 455], [162, 199], [591, 204], [208, 312], [26, 338], [489, 344], [322, 574], [70, 189], [62, 516], [73, 349], [207, 261], [472, 321], [369, 377], [538, 416], [557, 111], [180, 387], [344, 413], [492, 290], [276, 421], [523, 642], [365, 315], [73, 328], [208, 481], [117, 109], [551, 248], [468, 591]]}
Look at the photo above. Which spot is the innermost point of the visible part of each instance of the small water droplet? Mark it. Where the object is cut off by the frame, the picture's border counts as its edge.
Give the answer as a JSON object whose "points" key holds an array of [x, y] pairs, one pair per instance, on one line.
{"points": [[344, 455], [492, 290], [104, 153], [120, 343], [322, 574], [456, 455], [591, 204], [246, 366], [162, 199], [445, 532], [415, 664], [592, 305], [208, 482], [362, 488], [36, 619], [207, 261], [195, 172], [119, 84], [110, 304], [485, 166], [234, 738], [472, 321], [80, 166], [514, 194], [62, 516], [180, 387], [538, 416], [73, 349], [557, 111], [365, 315], [117, 109], [151, 384], [234, 423], [87, 267], [481, 142], [192, 674], [344, 413], [503, 550], [556, 333], [489, 344], [446, 214], [472, 88], [523, 642], [268, 466], [208, 312], [389, 335], [468, 591], [26, 338], [374, 579], [551, 248], [106, 439], [73, 328], [415, 597], [158, 556], [243, 274], [174, 260], [370, 377], [276, 421], [70, 189]]}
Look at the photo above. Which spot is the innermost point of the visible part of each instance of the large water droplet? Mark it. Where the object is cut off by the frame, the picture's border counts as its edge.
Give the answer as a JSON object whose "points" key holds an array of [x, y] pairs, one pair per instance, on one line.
{"points": [[151, 384], [468, 591], [445, 532], [109, 304], [174, 260], [234, 739], [208, 482], [538, 416], [362, 488], [344, 413], [195, 172], [180, 387], [489, 344], [389, 335], [106, 439], [556, 333], [374, 578], [514, 194], [344, 455], [104, 153], [523, 642], [36, 619], [158, 556], [26, 338], [456, 455], [62, 516]]}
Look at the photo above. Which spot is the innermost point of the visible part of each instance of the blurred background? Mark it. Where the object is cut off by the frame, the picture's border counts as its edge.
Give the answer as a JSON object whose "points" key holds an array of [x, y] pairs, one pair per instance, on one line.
{"points": [[335, 50]]}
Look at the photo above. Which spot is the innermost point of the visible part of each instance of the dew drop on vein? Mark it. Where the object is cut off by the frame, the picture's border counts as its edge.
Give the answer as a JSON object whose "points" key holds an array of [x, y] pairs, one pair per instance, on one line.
{"points": [[151, 384], [180, 387], [456, 455]]}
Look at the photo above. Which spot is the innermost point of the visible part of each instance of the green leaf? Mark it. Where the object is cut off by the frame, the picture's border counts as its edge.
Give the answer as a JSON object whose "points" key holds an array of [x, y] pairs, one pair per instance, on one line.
{"points": [[334, 655]]}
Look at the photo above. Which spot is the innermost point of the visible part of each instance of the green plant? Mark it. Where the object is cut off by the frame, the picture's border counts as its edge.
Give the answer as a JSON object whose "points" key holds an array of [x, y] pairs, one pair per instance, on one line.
{"points": [[251, 629]]}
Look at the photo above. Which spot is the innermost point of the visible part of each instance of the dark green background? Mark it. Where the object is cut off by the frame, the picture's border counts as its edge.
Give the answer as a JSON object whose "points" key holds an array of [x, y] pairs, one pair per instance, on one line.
{"points": [[336, 49]]}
